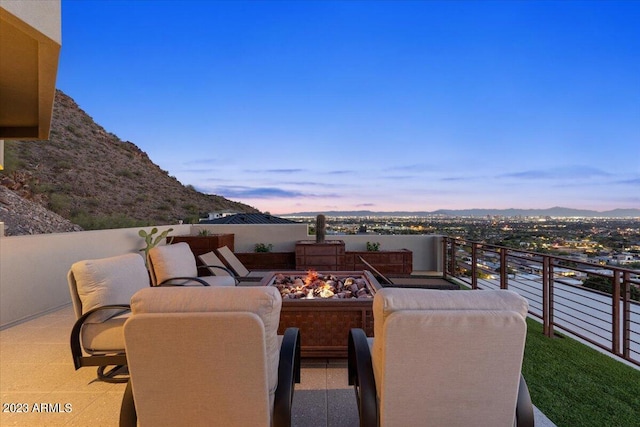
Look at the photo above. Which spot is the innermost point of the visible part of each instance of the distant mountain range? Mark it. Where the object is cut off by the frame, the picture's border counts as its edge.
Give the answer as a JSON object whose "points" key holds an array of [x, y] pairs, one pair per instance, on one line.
{"points": [[551, 212]]}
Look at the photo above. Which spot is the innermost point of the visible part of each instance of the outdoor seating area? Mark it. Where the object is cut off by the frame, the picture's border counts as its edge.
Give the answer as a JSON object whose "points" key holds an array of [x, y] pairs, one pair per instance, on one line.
{"points": [[187, 344], [38, 364], [36, 368]]}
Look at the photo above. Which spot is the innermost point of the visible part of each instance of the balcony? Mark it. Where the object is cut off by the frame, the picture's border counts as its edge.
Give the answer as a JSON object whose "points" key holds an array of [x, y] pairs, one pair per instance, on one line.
{"points": [[36, 319]]}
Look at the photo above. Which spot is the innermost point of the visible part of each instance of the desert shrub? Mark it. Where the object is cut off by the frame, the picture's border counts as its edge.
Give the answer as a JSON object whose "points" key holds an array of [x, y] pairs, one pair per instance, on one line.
{"points": [[59, 203], [63, 164], [11, 160], [190, 207], [43, 187], [124, 173], [91, 202], [102, 222]]}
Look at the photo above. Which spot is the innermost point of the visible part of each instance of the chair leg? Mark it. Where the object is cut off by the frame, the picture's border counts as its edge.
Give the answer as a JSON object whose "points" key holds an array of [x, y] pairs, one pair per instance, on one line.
{"points": [[111, 376], [524, 408], [128, 414], [360, 373]]}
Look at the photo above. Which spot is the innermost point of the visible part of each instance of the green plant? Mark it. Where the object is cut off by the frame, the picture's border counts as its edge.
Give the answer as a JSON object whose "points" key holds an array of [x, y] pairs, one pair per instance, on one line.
{"points": [[575, 385], [59, 203], [204, 232], [263, 247], [373, 246], [149, 240], [126, 173]]}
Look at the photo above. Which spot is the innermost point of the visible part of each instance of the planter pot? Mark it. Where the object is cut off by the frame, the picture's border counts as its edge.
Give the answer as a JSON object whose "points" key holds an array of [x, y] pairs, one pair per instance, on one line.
{"points": [[272, 261], [387, 262], [203, 244], [327, 256]]}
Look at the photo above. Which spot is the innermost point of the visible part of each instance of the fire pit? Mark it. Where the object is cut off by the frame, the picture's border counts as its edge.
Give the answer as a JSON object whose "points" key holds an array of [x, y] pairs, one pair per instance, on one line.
{"points": [[315, 285], [325, 315]]}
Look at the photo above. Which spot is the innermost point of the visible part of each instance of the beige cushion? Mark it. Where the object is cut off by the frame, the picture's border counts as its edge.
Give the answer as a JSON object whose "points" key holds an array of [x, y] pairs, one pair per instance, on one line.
{"points": [[177, 260], [233, 261], [169, 261], [198, 369], [218, 280], [105, 337], [210, 258], [460, 351], [389, 300], [106, 281], [266, 302]]}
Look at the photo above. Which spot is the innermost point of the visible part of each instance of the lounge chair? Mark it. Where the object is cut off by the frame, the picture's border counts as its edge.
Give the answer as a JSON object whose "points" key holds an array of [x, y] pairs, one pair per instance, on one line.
{"points": [[100, 292], [175, 265], [442, 358], [203, 356], [408, 282], [242, 273], [217, 268]]}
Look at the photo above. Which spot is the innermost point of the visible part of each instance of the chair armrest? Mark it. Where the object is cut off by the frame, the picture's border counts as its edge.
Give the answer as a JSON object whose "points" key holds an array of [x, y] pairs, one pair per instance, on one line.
{"points": [[524, 407], [360, 371], [288, 374], [251, 278], [192, 279], [231, 273], [76, 348]]}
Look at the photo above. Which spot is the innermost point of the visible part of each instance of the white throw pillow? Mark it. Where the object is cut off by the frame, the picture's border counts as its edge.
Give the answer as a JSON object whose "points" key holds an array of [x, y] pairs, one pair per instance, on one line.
{"points": [[169, 261], [107, 281]]}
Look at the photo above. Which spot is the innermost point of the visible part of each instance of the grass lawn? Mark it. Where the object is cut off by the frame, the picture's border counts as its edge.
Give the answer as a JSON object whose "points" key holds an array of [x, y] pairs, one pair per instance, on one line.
{"points": [[575, 385]]}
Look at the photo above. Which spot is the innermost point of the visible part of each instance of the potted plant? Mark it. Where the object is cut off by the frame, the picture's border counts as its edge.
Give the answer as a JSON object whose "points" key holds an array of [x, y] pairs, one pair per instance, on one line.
{"points": [[263, 247]]}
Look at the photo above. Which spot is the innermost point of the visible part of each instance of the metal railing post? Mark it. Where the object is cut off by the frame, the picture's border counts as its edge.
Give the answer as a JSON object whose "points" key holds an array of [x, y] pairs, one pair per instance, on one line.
{"points": [[615, 313], [445, 272], [452, 258], [626, 316], [503, 269], [474, 266], [545, 296], [550, 282]]}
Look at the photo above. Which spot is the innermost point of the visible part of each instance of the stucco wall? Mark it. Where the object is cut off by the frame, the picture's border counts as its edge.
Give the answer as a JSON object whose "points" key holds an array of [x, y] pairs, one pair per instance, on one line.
{"points": [[33, 269], [43, 15]]}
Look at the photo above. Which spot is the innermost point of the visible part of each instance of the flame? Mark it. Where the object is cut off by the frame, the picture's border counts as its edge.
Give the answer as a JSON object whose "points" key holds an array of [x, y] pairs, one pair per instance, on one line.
{"points": [[311, 277]]}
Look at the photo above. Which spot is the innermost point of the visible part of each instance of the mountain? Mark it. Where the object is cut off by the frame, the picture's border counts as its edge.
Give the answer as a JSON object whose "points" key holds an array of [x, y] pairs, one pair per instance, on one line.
{"points": [[94, 179], [551, 212]]}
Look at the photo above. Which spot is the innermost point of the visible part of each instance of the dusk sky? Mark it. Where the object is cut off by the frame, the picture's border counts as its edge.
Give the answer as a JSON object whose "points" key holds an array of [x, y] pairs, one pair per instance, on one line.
{"points": [[385, 106]]}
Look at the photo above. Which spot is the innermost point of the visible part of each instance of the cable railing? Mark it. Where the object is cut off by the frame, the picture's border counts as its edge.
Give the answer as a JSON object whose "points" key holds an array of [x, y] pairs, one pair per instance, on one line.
{"points": [[554, 287]]}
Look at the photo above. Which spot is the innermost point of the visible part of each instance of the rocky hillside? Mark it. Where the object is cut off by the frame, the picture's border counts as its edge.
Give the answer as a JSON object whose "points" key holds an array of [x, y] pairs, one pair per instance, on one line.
{"points": [[93, 179], [22, 216]]}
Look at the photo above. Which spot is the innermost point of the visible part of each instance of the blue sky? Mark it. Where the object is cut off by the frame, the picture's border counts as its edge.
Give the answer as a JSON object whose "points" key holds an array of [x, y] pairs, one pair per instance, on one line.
{"points": [[349, 105]]}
